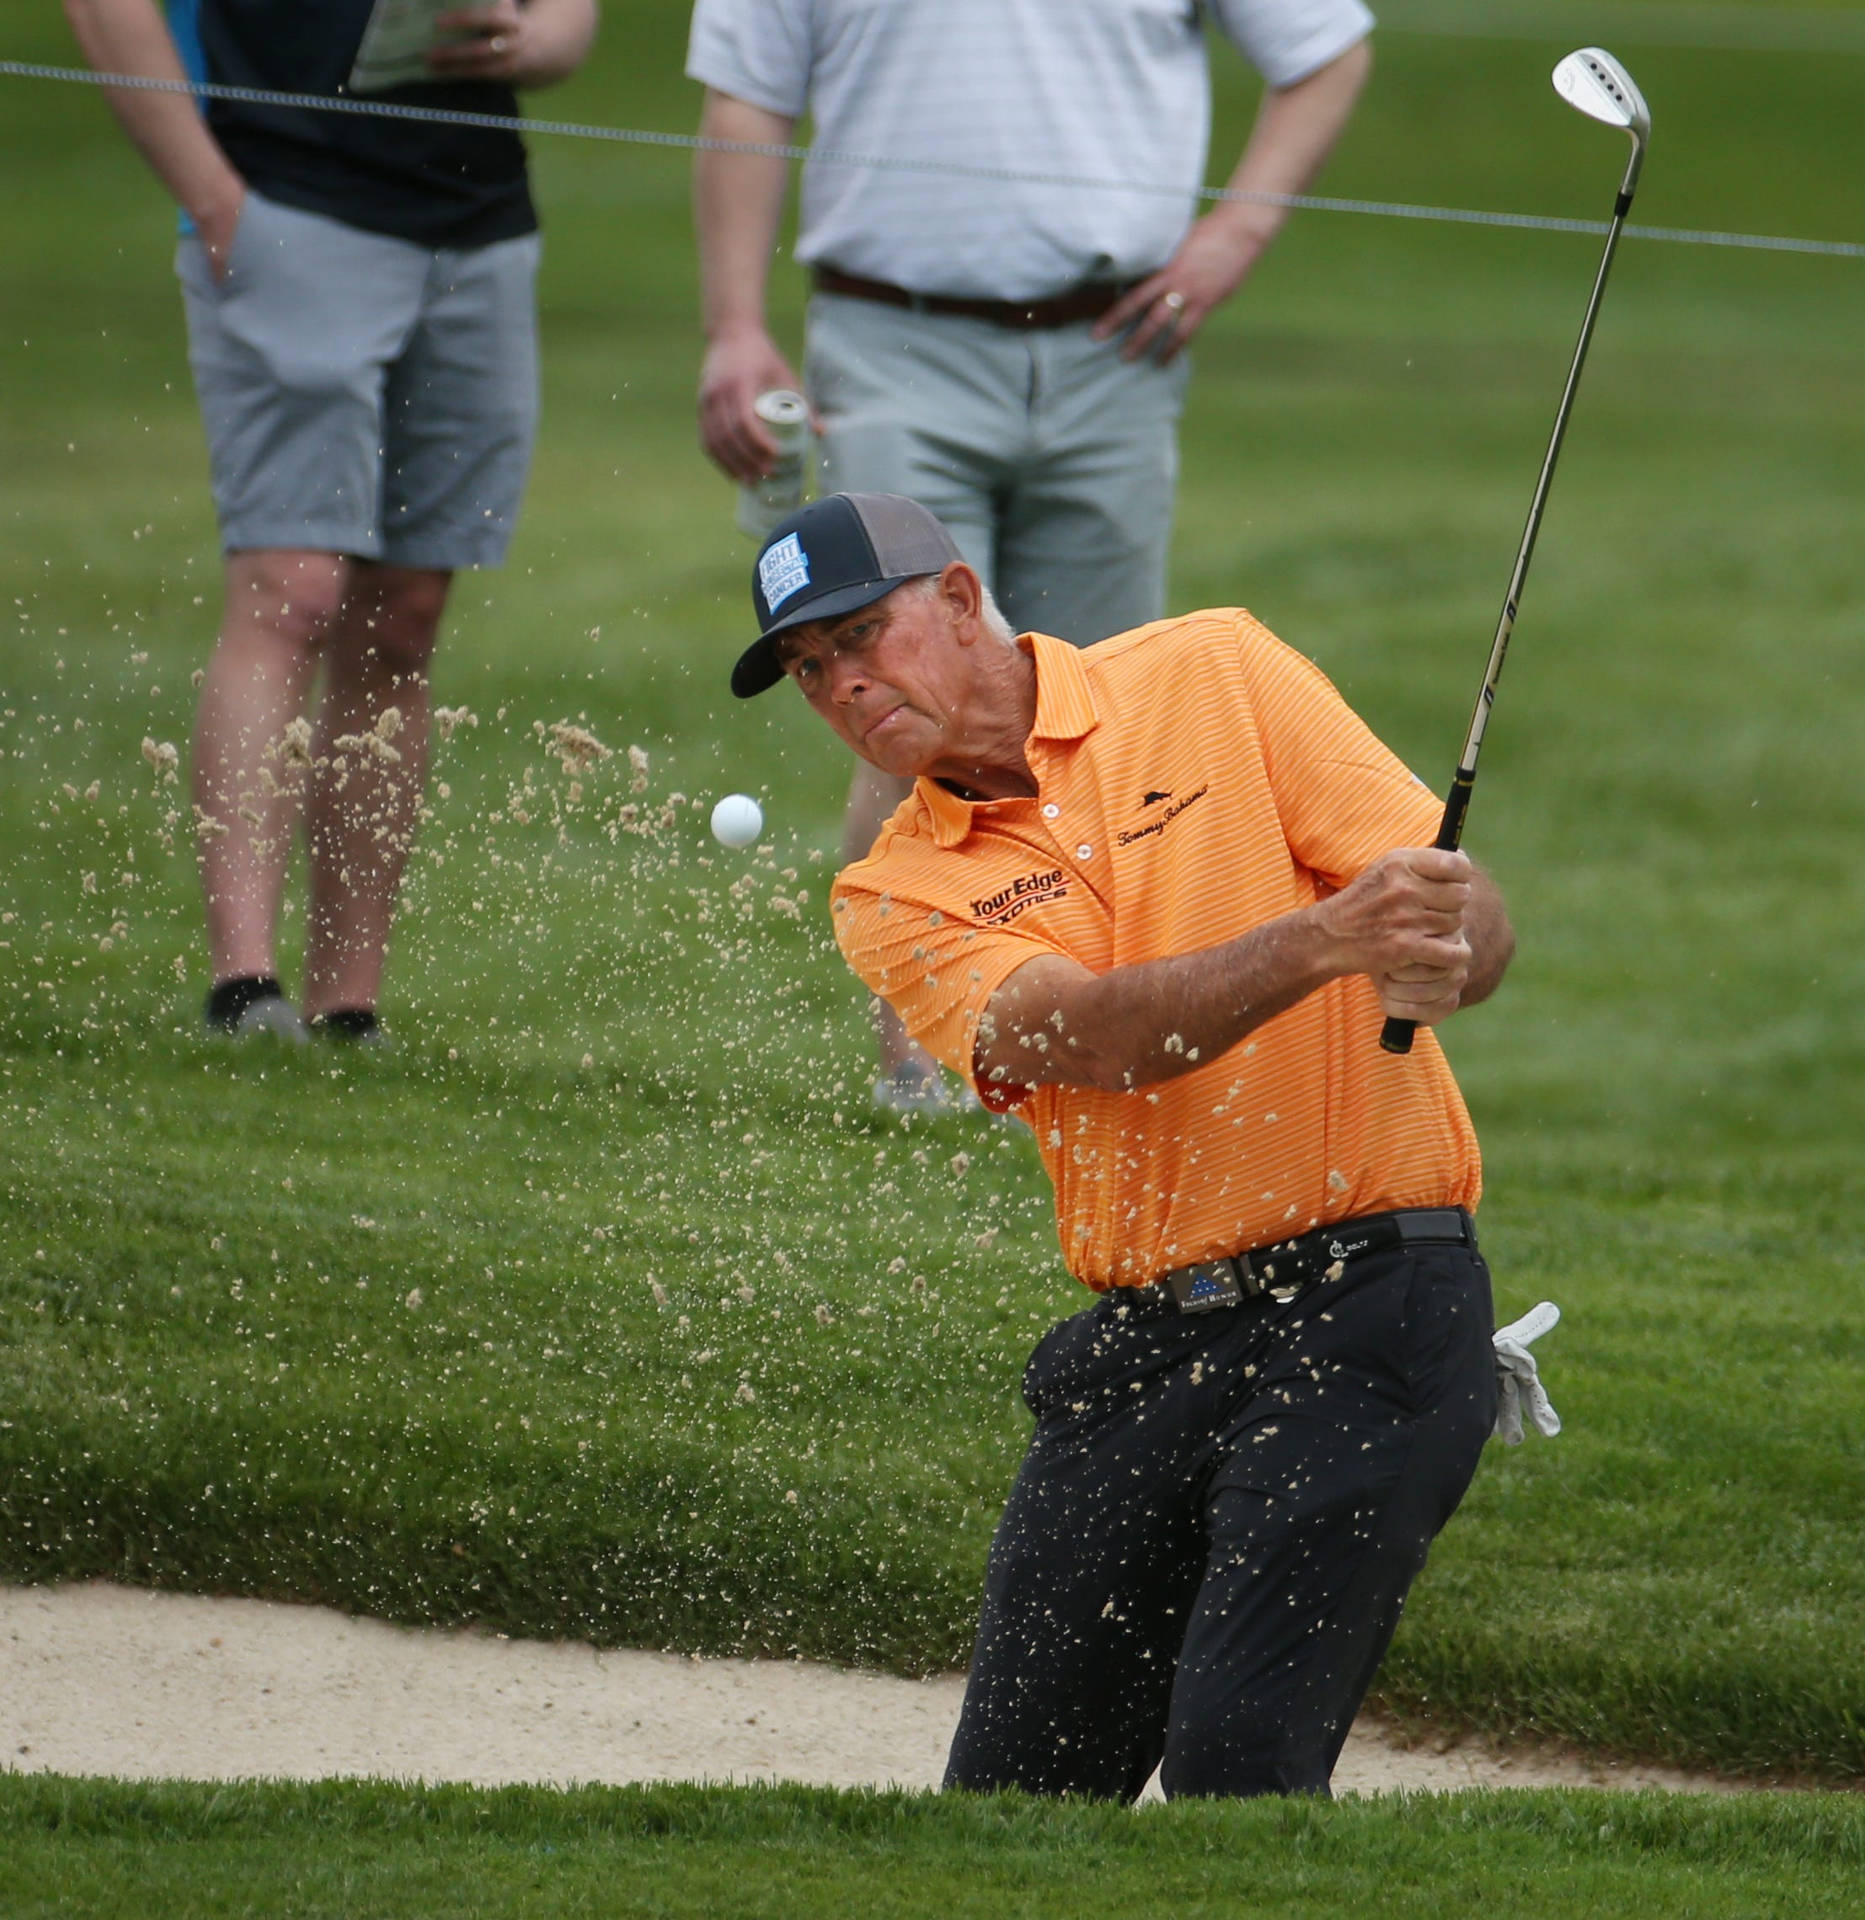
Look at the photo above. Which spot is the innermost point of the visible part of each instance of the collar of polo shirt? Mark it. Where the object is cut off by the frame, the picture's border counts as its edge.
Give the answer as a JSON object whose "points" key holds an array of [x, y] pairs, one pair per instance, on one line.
{"points": [[1065, 710]]}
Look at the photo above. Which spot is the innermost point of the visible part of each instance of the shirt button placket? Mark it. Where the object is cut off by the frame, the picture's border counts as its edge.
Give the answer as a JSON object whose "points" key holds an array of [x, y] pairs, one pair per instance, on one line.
{"points": [[1052, 813]]}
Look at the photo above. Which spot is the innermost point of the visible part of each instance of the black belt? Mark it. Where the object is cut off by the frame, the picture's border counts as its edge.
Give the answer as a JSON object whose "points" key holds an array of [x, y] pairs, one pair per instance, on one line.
{"points": [[1284, 1269], [1086, 302]]}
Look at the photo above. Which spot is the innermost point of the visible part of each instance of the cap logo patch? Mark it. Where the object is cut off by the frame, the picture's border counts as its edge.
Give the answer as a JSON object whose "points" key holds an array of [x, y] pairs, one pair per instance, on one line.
{"points": [[782, 571]]}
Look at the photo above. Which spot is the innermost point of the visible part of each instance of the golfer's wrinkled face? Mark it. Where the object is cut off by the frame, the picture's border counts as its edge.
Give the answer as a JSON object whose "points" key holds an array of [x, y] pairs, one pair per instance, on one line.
{"points": [[889, 677]]}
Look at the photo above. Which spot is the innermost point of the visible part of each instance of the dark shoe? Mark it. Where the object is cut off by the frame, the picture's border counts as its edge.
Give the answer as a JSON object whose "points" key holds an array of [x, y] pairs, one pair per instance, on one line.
{"points": [[241, 1009], [350, 1027]]}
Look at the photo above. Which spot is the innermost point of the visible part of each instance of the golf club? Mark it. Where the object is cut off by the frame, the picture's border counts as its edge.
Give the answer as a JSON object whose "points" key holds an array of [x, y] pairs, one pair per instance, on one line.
{"points": [[1595, 84]]}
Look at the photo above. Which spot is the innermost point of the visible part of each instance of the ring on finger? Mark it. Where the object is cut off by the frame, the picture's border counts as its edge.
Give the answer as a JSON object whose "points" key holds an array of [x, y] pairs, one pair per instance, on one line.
{"points": [[1173, 302], [497, 43]]}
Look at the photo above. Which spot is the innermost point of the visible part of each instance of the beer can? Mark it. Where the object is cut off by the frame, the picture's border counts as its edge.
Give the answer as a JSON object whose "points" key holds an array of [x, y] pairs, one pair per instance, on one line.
{"points": [[763, 503]]}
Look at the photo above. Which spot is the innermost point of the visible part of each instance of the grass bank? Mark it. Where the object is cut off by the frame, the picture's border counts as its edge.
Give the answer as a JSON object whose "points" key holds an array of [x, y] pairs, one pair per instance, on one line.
{"points": [[111, 1848]]}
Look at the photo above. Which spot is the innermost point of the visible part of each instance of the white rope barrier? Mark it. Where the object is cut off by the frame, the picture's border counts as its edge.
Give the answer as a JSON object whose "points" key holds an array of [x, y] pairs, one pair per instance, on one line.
{"points": [[644, 137]]}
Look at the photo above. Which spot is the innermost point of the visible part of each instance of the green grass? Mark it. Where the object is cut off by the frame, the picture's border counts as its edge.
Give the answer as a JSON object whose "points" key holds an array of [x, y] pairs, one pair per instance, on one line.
{"points": [[106, 1849], [381, 1331]]}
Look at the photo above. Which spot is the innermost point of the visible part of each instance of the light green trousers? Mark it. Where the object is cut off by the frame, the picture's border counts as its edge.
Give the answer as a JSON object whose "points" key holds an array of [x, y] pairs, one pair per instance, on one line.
{"points": [[1052, 460]]}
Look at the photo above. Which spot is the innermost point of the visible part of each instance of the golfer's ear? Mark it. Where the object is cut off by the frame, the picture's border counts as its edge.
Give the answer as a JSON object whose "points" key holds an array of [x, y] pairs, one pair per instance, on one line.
{"points": [[962, 589]]}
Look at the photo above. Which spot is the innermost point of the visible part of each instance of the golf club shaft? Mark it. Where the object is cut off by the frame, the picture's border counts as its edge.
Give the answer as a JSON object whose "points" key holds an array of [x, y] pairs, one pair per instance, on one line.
{"points": [[1396, 1035]]}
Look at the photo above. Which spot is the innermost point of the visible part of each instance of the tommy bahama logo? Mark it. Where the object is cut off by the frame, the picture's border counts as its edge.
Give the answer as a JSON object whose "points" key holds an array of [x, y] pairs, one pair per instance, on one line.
{"points": [[1026, 891], [1160, 822]]}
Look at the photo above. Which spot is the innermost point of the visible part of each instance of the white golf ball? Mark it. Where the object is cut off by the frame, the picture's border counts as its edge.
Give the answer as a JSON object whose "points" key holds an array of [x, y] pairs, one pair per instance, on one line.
{"points": [[737, 820]]}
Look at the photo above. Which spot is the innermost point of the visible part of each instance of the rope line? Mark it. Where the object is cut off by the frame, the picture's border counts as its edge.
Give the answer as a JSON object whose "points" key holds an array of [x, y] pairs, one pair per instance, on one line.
{"points": [[695, 143]]}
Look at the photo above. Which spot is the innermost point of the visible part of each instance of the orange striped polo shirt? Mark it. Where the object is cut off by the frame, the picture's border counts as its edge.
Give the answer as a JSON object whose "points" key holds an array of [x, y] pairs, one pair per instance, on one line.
{"points": [[1196, 778]]}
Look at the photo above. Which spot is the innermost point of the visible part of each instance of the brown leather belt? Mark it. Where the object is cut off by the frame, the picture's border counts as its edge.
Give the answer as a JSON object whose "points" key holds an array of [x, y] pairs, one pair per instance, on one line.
{"points": [[1087, 302], [1284, 1269]]}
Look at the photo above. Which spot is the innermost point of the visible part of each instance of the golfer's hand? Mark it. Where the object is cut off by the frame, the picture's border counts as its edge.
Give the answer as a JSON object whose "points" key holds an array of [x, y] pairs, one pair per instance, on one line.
{"points": [[1167, 308], [1518, 1379], [1401, 923], [1426, 996], [735, 371]]}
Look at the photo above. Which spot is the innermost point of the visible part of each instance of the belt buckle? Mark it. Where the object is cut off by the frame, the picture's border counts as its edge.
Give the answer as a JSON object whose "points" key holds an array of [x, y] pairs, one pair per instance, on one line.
{"points": [[1205, 1286], [1281, 1275]]}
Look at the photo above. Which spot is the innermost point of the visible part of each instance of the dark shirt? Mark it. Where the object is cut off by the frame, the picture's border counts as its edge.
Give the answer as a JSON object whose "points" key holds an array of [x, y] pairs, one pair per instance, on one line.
{"points": [[439, 186]]}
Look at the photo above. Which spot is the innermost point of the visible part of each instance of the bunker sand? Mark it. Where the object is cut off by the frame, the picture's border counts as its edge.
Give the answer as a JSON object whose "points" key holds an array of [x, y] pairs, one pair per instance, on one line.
{"points": [[99, 1679]]}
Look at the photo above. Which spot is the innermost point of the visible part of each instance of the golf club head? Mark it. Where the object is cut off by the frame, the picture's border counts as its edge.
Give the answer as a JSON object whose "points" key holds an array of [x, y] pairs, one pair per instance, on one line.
{"points": [[1591, 81]]}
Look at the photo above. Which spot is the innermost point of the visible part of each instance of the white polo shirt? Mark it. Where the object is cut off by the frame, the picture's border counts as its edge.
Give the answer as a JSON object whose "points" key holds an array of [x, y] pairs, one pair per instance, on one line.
{"points": [[1103, 90]]}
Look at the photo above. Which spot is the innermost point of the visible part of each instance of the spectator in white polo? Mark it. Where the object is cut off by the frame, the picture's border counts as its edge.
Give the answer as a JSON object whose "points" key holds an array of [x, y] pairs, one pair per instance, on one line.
{"points": [[1006, 353], [362, 330]]}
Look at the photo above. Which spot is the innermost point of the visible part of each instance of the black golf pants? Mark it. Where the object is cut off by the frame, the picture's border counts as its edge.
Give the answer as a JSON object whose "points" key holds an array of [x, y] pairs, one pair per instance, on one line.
{"points": [[1208, 1545]]}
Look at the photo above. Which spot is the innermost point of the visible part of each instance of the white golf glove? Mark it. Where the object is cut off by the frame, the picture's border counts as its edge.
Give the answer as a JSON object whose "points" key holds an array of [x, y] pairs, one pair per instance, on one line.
{"points": [[1518, 1381]]}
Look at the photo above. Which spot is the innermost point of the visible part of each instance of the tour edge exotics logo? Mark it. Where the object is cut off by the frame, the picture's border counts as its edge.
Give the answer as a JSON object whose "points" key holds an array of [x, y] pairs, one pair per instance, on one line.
{"points": [[1160, 822], [1026, 891]]}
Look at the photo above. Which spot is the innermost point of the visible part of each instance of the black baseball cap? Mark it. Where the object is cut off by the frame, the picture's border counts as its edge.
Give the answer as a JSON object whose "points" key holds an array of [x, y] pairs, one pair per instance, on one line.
{"points": [[836, 554]]}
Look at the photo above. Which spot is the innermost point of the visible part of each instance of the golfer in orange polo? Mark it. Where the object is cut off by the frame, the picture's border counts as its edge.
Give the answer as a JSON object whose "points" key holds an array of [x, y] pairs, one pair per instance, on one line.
{"points": [[1155, 899]]}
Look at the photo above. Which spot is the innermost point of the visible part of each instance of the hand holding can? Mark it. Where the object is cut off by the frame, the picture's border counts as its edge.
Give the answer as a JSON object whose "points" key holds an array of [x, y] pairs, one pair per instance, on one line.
{"points": [[763, 503]]}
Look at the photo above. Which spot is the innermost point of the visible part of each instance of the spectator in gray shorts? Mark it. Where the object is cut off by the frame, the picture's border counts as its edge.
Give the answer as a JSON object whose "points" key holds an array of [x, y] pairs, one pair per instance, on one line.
{"points": [[1003, 352], [361, 326]]}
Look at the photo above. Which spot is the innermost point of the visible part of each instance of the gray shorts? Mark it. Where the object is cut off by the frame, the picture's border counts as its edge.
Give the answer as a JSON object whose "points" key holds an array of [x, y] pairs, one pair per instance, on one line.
{"points": [[363, 395], [1053, 461]]}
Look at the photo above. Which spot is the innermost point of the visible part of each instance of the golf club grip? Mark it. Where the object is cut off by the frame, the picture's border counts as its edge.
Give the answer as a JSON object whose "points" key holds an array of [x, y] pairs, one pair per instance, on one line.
{"points": [[1396, 1035]]}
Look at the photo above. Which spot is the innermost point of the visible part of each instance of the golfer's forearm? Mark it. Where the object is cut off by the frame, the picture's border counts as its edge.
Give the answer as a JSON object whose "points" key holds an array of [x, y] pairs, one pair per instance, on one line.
{"points": [[559, 34], [1492, 940], [1295, 131], [131, 36], [1172, 1016], [738, 202], [1139, 1025]]}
